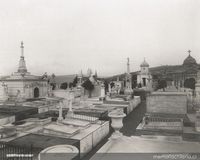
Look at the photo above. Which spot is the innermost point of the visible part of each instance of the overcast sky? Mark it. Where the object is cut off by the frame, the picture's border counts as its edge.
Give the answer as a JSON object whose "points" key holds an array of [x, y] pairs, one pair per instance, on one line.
{"points": [[65, 36]]}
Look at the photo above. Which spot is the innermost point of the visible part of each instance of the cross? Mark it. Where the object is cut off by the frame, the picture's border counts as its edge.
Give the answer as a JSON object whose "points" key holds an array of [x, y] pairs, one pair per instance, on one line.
{"points": [[189, 51]]}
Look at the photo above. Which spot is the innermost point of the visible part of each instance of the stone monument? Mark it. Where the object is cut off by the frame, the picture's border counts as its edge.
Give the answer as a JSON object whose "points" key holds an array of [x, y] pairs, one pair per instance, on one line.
{"points": [[128, 87]]}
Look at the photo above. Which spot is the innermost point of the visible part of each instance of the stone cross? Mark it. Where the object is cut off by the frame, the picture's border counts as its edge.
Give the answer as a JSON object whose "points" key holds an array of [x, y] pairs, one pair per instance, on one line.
{"points": [[189, 51]]}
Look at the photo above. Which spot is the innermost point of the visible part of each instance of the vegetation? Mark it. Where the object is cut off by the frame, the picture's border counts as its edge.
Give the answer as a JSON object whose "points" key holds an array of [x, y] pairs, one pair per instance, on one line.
{"points": [[112, 84], [70, 85], [106, 86], [88, 86], [75, 81], [162, 84], [190, 83], [64, 85], [53, 81]]}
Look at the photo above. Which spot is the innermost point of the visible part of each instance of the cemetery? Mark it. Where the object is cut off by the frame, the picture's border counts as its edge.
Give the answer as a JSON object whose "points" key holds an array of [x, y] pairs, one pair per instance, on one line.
{"points": [[67, 115], [88, 116]]}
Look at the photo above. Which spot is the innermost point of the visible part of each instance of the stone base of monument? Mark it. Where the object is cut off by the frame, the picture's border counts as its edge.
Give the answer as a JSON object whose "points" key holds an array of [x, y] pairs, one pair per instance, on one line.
{"points": [[116, 135], [128, 91], [69, 114]]}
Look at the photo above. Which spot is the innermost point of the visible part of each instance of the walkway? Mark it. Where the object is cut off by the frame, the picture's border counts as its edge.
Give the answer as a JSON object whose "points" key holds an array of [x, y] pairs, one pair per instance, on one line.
{"points": [[133, 119]]}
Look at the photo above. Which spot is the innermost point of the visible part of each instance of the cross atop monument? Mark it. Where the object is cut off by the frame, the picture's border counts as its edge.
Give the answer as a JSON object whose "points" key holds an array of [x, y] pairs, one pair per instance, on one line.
{"points": [[189, 51]]}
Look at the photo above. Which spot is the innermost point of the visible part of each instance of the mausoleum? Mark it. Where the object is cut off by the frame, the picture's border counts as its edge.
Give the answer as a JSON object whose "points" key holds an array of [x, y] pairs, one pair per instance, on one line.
{"points": [[23, 84]]}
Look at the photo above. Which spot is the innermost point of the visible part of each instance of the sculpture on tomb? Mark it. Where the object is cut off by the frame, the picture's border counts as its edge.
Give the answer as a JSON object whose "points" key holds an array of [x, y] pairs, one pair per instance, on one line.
{"points": [[70, 112], [4, 92], [102, 97], [60, 111], [19, 97], [49, 91]]}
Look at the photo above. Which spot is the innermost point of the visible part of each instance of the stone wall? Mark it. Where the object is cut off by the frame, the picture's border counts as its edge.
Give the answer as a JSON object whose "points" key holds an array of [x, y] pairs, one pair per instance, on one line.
{"points": [[167, 102]]}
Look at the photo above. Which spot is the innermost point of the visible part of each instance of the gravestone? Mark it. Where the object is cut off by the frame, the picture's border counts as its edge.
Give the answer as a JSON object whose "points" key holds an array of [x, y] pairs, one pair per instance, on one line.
{"points": [[167, 103]]}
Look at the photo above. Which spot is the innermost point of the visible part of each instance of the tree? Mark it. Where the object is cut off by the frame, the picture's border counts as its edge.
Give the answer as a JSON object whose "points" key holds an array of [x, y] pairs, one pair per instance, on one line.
{"points": [[53, 81], [106, 86], [75, 81], [64, 85], [162, 84], [190, 83], [70, 85], [112, 84], [88, 86]]}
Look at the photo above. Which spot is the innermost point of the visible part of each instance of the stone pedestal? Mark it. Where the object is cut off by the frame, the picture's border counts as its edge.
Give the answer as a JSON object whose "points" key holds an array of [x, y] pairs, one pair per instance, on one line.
{"points": [[116, 118]]}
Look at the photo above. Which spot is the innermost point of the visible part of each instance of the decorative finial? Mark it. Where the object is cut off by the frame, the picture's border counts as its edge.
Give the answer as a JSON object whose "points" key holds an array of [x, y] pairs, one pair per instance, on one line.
{"points": [[189, 51], [22, 49]]}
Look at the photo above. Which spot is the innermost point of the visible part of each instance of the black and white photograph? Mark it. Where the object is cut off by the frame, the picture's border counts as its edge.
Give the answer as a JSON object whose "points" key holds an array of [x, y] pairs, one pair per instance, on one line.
{"points": [[99, 79]]}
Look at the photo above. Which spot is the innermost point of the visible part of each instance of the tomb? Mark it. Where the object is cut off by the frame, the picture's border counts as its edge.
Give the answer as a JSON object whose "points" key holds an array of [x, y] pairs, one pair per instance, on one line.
{"points": [[166, 114]]}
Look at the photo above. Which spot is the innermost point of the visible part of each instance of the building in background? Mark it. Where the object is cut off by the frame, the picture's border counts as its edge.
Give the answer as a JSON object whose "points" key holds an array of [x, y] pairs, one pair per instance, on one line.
{"points": [[144, 78], [23, 84]]}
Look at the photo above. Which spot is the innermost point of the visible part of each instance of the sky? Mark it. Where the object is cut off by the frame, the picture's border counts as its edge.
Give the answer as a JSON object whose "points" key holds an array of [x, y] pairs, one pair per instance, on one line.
{"points": [[67, 36]]}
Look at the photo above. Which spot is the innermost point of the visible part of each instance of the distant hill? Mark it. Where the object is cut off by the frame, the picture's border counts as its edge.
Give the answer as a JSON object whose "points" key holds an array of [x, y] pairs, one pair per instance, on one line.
{"points": [[64, 78], [160, 70]]}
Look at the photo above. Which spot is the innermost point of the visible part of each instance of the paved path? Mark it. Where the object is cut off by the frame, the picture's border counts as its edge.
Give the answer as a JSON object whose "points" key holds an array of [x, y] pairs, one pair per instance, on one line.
{"points": [[133, 119]]}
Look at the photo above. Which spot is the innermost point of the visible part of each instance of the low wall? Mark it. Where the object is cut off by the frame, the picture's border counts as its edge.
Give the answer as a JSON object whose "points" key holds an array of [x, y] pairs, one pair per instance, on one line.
{"points": [[6, 120], [90, 141], [167, 102]]}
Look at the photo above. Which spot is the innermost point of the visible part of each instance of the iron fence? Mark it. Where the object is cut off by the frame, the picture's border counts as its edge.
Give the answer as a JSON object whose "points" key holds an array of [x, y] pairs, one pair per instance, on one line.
{"points": [[12, 152]]}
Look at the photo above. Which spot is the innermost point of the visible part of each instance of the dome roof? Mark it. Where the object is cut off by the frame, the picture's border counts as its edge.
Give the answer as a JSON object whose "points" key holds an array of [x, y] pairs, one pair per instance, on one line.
{"points": [[189, 61], [144, 64]]}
